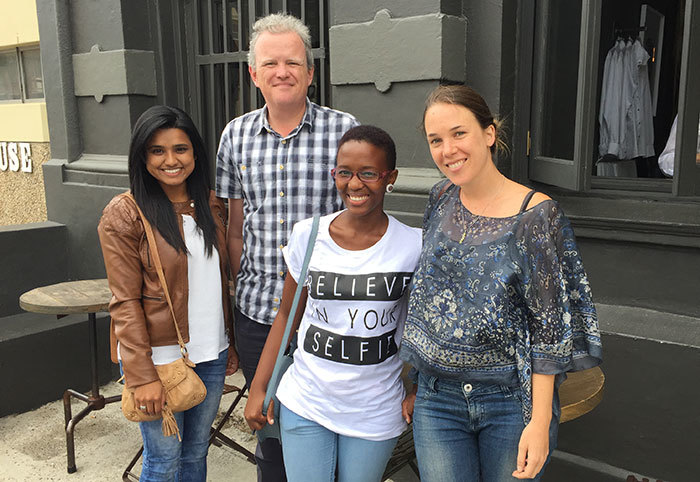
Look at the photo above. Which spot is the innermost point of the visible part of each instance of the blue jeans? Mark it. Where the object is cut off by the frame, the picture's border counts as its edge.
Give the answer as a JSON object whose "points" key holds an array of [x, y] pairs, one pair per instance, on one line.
{"points": [[166, 458], [311, 452], [250, 340], [470, 432]]}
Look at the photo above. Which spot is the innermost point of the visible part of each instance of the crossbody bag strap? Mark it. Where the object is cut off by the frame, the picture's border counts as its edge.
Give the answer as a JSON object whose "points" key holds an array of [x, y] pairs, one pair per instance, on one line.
{"points": [[159, 269], [276, 375]]}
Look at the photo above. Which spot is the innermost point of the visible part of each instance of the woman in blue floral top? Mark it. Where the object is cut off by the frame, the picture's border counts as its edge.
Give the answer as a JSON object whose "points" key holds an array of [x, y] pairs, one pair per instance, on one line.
{"points": [[500, 308]]}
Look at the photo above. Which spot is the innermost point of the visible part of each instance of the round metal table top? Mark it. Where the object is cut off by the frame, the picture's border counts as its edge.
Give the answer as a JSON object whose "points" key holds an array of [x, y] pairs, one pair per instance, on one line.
{"points": [[84, 296]]}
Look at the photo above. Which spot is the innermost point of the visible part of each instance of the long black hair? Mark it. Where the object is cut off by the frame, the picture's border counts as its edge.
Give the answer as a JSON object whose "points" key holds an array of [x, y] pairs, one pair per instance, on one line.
{"points": [[147, 191]]}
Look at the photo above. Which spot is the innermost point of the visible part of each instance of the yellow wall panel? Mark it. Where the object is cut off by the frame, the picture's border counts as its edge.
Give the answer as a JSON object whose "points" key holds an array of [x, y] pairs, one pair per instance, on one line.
{"points": [[24, 122], [18, 23]]}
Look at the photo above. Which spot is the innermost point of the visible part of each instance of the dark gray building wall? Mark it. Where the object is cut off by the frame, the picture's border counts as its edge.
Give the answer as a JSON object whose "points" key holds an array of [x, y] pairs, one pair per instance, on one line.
{"points": [[103, 136], [490, 61], [55, 356], [57, 66], [112, 26], [485, 58], [79, 205], [399, 111], [648, 419], [32, 255], [97, 22], [341, 12], [394, 98], [485, 43], [645, 275], [101, 68]]}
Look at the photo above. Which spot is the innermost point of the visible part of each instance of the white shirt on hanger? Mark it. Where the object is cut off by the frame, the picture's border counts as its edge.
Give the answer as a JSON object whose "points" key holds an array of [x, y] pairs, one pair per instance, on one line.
{"points": [[638, 130], [611, 107], [667, 157]]}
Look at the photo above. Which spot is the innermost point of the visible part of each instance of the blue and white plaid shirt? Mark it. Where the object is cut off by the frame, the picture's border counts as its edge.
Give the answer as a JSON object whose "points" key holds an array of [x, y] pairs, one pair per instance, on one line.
{"points": [[281, 180]]}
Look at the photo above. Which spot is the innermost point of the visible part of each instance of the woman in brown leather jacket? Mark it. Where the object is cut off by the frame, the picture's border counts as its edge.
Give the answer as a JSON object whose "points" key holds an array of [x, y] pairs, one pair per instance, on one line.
{"points": [[169, 179]]}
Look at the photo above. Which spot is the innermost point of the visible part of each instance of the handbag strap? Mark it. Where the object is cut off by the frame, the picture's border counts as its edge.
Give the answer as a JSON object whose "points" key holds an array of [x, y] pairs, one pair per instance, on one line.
{"points": [[276, 375], [159, 269]]}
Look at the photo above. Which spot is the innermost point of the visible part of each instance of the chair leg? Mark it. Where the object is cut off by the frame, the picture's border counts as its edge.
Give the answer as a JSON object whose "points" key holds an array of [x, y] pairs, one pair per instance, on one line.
{"points": [[217, 429], [404, 454], [218, 439], [127, 476], [414, 467]]}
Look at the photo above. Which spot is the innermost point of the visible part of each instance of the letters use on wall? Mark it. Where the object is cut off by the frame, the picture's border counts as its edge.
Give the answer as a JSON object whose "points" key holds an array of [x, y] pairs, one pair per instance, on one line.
{"points": [[15, 156]]}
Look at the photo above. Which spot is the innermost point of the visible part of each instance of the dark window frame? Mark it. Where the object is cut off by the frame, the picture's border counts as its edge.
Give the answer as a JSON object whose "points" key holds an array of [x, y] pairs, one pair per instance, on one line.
{"points": [[526, 139]]}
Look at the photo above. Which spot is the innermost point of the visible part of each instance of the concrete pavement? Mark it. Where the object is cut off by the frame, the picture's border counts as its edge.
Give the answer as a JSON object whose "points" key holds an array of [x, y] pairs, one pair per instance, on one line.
{"points": [[33, 447]]}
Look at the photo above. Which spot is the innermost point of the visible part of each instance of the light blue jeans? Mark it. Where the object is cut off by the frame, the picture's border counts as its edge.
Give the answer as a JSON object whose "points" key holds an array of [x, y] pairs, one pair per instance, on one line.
{"points": [[311, 453], [470, 432], [166, 458]]}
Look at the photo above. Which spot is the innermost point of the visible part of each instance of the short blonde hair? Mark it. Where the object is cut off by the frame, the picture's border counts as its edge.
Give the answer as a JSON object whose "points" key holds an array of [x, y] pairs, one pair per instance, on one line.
{"points": [[280, 23]]}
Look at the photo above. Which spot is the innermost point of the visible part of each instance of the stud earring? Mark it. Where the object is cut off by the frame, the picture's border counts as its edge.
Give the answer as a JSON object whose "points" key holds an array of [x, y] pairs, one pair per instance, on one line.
{"points": [[389, 187]]}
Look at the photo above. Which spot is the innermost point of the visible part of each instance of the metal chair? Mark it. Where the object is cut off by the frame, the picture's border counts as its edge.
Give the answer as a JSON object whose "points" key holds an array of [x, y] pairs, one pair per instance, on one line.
{"points": [[219, 439], [404, 454]]}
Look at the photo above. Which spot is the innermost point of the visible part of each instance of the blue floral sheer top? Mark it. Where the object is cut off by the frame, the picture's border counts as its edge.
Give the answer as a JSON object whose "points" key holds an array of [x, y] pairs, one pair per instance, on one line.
{"points": [[497, 299]]}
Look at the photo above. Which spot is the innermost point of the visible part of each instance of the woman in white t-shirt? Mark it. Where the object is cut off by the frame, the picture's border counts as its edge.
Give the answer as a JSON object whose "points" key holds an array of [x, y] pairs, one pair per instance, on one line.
{"points": [[342, 397]]}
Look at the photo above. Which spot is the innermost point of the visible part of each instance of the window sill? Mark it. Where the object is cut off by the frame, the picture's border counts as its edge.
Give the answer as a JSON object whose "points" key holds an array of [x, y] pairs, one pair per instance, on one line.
{"points": [[97, 170], [656, 218]]}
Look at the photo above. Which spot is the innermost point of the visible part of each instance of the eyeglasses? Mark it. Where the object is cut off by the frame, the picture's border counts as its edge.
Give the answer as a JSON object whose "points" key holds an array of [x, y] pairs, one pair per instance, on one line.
{"points": [[364, 176]]}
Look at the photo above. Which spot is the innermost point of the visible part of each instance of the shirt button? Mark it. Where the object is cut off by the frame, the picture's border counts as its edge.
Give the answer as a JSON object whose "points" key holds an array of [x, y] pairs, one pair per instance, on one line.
{"points": [[281, 193], [276, 300], [468, 388], [281, 221], [281, 246], [281, 166], [274, 308], [284, 141], [242, 168], [281, 273]]}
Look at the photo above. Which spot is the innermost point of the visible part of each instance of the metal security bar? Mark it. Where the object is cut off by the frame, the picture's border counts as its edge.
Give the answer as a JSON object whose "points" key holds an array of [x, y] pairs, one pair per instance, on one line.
{"points": [[218, 37]]}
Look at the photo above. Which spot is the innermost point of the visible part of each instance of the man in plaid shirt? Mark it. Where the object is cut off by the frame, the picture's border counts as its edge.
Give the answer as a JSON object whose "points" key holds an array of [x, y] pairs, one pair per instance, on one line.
{"points": [[273, 165]]}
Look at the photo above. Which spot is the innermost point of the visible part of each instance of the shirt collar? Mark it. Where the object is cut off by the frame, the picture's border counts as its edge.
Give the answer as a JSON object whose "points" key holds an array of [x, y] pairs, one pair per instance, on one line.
{"points": [[308, 119]]}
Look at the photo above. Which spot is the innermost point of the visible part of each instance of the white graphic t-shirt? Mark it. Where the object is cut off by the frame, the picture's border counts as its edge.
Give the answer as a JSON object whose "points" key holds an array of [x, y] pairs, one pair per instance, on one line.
{"points": [[346, 371]]}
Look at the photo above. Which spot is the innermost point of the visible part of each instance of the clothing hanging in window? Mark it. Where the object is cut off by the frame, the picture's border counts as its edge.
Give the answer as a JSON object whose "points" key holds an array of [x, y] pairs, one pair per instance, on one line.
{"points": [[667, 157], [626, 115]]}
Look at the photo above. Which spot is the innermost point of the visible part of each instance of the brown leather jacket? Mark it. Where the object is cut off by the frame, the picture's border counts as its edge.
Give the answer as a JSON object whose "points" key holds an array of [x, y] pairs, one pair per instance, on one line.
{"points": [[140, 314]]}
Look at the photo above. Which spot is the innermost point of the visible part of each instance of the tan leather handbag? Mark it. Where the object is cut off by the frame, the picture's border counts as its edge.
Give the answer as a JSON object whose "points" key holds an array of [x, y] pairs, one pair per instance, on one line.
{"points": [[183, 387]]}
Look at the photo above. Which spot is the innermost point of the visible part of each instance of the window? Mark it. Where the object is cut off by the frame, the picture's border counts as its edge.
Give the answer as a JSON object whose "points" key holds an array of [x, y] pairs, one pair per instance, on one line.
{"points": [[9, 76], [31, 74], [21, 79], [572, 89]]}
